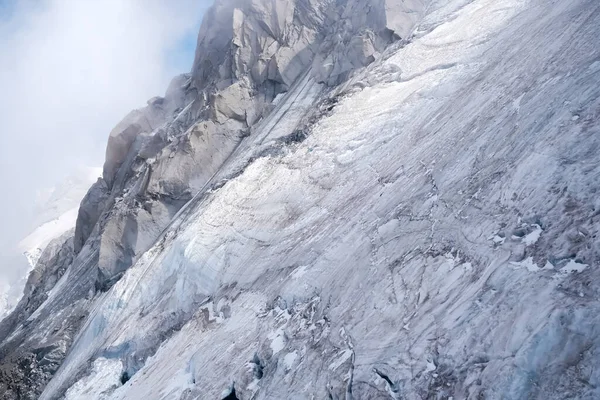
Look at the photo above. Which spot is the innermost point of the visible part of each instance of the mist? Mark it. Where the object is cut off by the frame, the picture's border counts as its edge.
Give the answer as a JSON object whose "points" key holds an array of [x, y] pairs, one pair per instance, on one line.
{"points": [[69, 71]]}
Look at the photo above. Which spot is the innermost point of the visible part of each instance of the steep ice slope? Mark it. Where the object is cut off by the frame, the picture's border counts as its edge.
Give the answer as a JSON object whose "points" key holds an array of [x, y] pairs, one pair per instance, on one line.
{"points": [[162, 159], [66, 195], [57, 211], [434, 236], [35, 243], [5, 299]]}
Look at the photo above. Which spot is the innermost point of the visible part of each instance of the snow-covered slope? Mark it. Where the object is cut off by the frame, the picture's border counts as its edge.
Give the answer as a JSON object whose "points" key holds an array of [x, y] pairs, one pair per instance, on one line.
{"points": [[35, 243], [65, 195], [424, 227], [56, 211], [6, 304]]}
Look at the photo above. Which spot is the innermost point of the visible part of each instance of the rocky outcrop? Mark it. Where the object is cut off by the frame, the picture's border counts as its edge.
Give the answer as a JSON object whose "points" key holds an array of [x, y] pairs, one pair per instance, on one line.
{"points": [[161, 156], [50, 267], [89, 212], [248, 53], [400, 17], [27, 365], [273, 42], [324, 207], [141, 122]]}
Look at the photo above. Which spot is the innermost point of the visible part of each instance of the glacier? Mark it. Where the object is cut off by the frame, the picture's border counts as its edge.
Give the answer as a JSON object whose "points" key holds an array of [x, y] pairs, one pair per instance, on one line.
{"points": [[54, 214], [330, 211]]}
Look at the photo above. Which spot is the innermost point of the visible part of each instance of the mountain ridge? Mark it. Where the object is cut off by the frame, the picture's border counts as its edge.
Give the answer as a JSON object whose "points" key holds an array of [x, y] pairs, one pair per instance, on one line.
{"points": [[384, 215]]}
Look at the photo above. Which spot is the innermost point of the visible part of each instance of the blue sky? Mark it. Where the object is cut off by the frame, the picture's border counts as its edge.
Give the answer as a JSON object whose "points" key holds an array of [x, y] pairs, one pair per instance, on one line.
{"points": [[69, 71], [181, 55], [6, 8]]}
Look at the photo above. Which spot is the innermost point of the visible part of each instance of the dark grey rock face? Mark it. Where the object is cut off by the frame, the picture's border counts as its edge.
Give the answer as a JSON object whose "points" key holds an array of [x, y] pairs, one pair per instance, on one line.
{"points": [[160, 156], [91, 208], [248, 52], [273, 42], [27, 364]]}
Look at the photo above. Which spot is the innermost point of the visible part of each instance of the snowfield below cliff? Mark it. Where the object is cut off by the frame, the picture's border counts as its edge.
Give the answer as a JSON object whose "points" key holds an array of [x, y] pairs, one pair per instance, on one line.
{"points": [[55, 214], [410, 218], [417, 244]]}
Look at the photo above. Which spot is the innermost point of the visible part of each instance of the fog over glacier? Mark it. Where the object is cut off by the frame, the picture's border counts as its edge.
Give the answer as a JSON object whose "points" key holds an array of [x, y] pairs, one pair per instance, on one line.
{"points": [[69, 71]]}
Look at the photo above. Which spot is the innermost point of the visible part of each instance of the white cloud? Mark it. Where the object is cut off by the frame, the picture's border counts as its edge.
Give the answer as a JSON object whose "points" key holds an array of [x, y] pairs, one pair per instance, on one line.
{"points": [[69, 71]]}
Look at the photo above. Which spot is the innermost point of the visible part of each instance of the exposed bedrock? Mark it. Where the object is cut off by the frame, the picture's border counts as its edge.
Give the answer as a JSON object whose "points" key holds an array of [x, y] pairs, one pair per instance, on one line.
{"points": [[344, 199]]}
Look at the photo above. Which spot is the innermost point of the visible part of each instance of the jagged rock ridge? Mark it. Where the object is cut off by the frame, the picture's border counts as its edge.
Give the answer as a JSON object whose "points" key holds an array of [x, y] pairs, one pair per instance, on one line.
{"points": [[162, 155], [371, 211]]}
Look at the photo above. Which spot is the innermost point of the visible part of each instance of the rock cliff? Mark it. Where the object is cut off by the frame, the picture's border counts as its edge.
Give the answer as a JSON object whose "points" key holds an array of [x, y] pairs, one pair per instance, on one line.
{"points": [[344, 199]]}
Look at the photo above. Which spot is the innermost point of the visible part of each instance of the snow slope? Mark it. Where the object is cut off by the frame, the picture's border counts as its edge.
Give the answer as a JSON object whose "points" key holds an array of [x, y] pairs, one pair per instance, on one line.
{"points": [[57, 211], [33, 245], [433, 237]]}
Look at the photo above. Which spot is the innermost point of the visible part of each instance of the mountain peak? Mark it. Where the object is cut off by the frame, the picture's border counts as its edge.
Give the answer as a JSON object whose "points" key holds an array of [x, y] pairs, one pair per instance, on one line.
{"points": [[343, 199]]}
